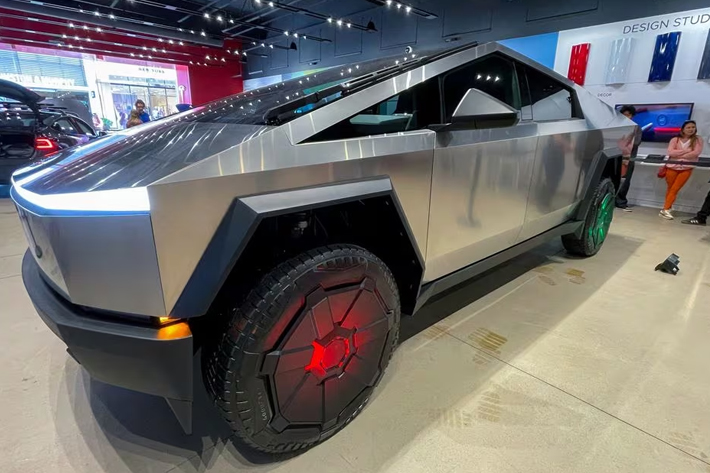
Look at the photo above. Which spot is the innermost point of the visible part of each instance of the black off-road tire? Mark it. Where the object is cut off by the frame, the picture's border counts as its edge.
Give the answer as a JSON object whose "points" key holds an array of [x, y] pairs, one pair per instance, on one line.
{"points": [[303, 352], [596, 223]]}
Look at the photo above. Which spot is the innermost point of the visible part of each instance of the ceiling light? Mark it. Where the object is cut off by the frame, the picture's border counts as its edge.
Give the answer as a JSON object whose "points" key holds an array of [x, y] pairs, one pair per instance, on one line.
{"points": [[271, 46], [207, 57], [349, 25], [155, 50], [244, 53], [112, 16], [145, 48], [88, 39], [222, 59], [330, 20], [340, 22], [99, 30], [286, 33], [409, 9], [64, 36], [203, 33], [257, 1], [231, 21], [133, 55], [207, 15], [219, 18], [150, 57], [71, 47], [71, 25], [271, 4], [140, 55], [160, 39], [295, 35], [76, 38], [85, 27], [96, 13], [399, 5], [164, 51], [192, 31], [180, 43], [171, 41], [191, 62], [389, 3]]}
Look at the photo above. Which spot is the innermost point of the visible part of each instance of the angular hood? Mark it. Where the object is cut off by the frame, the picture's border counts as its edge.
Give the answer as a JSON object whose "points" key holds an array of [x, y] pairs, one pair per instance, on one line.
{"points": [[11, 90], [136, 157]]}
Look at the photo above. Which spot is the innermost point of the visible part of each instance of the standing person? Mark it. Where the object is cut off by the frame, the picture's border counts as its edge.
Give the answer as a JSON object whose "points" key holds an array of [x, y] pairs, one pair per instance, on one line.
{"points": [[134, 120], [629, 153], [140, 108], [685, 147], [702, 216]]}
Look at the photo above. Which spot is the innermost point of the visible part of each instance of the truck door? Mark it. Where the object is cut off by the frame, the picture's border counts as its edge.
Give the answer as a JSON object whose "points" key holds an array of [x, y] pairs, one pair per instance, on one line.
{"points": [[481, 178]]}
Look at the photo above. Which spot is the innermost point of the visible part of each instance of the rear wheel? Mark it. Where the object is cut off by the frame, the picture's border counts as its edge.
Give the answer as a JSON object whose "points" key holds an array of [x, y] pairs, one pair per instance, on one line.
{"points": [[596, 224], [302, 354]]}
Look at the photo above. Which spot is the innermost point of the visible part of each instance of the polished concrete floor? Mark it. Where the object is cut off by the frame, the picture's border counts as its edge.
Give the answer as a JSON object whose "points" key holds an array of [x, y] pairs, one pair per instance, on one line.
{"points": [[547, 364]]}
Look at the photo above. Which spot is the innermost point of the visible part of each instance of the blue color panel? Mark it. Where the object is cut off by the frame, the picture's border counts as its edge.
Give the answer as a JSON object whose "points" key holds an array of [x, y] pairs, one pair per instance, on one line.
{"points": [[541, 48], [664, 57], [704, 72]]}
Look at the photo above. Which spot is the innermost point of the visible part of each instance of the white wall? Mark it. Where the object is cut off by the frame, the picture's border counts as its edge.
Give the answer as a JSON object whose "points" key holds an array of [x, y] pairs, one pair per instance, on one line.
{"points": [[684, 86]]}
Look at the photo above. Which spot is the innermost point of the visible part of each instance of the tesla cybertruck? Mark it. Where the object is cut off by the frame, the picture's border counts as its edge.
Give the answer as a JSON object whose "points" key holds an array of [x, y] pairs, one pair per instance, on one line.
{"points": [[281, 233]]}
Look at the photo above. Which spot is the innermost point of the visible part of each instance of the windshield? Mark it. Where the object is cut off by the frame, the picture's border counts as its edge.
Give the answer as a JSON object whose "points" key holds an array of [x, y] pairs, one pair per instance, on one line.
{"points": [[249, 108]]}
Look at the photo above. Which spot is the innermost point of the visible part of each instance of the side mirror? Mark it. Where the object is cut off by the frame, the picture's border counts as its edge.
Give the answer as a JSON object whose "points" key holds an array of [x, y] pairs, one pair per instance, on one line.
{"points": [[478, 110]]}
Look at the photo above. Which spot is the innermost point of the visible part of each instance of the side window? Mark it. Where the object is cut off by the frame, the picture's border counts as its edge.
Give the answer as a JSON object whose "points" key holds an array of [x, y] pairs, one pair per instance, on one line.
{"points": [[494, 75], [548, 99], [65, 126], [413, 109], [84, 128]]}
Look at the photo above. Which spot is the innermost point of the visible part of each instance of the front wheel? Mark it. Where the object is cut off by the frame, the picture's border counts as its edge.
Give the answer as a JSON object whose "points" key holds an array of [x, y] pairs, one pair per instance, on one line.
{"points": [[303, 353], [596, 224]]}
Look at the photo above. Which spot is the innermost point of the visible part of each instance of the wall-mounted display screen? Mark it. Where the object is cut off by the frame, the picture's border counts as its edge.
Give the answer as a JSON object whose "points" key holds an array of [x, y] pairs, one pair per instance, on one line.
{"points": [[660, 122]]}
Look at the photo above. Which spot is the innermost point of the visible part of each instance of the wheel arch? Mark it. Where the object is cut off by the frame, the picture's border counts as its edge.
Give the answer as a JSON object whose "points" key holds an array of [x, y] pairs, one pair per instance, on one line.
{"points": [[607, 163], [255, 224]]}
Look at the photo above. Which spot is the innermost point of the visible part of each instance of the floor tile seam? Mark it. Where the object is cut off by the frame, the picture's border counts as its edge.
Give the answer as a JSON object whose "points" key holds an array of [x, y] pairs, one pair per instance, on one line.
{"points": [[577, 398]]}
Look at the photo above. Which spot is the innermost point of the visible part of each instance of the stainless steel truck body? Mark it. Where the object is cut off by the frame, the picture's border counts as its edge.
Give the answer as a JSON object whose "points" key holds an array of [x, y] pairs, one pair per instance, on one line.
{"points": [[285, 230]]}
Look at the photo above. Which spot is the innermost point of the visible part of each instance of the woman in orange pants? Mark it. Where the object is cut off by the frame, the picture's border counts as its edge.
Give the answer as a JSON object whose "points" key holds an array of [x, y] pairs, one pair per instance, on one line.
{"points": [[685, 147]]}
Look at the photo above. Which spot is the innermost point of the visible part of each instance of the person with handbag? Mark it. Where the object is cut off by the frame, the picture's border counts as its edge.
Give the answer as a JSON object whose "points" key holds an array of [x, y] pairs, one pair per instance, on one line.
{"points": [[687, 146]]}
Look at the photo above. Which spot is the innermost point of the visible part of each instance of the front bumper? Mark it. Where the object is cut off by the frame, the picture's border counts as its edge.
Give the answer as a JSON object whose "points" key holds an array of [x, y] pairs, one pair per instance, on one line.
{"points": [[152, 360]]}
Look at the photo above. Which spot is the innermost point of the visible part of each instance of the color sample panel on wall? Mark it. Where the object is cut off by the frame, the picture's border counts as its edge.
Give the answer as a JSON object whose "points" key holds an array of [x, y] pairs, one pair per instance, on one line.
{"points": [[664, 57], [704, 71], [578, 63], [619, 59]]}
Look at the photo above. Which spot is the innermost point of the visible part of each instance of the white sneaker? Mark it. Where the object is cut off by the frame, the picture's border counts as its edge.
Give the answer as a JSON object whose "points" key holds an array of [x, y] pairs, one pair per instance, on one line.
{"points": [[666, 214]]}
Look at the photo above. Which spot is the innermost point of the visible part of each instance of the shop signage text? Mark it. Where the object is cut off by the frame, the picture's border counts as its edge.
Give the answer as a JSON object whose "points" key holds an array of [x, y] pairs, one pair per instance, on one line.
{"points": [[675, 22], [31, 80]]}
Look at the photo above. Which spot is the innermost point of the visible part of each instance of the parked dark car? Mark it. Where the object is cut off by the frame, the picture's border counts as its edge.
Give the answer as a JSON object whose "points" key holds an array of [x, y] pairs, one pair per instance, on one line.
{"points": [[30, 130]]}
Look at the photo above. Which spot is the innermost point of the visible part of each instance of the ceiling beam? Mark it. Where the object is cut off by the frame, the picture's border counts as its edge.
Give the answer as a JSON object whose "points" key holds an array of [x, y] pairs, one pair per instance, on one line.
{"points": [[69, 13]]}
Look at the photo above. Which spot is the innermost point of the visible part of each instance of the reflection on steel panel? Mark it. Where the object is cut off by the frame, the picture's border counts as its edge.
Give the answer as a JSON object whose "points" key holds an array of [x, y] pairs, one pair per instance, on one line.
{"points": [[704, 71], [578, 63], [479, 194], [619, 59], [664, 57]]}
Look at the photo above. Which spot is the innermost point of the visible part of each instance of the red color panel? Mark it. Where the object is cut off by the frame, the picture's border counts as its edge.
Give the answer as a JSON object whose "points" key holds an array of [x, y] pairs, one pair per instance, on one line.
{"points": [[578, 63]]}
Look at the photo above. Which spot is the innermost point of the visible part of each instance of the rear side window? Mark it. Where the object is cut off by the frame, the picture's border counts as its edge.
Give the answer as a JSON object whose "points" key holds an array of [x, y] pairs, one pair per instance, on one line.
{"points": [[494, 75], [544, 98]]}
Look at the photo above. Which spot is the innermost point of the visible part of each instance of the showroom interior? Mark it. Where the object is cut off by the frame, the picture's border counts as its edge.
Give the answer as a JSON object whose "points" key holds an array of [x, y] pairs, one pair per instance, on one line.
{"points": [[354, 236]]}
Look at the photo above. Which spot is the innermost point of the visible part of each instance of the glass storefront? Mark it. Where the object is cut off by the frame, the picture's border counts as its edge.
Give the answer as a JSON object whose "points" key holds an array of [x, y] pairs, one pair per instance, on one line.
{"points": [[120, 85]]}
